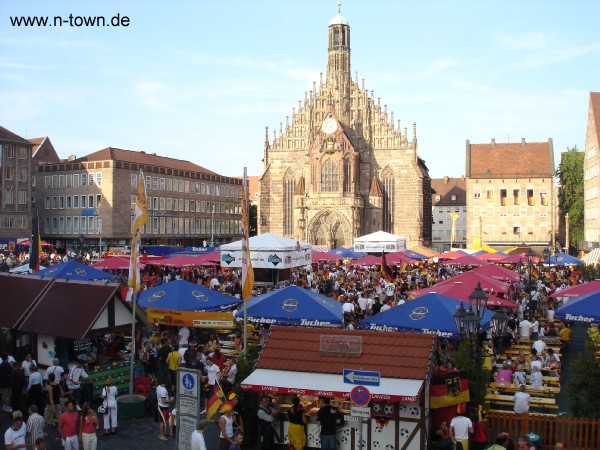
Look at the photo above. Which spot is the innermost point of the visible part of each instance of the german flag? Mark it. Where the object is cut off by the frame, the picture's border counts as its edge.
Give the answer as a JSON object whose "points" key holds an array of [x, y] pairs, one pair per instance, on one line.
{"points": [[535, 273], [384, 267], [215, 401], [448, 389]]}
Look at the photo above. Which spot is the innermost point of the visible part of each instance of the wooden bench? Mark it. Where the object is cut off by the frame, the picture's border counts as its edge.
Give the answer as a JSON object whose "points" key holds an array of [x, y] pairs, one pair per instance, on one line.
{"points": [[512, 388], [535, 402]]}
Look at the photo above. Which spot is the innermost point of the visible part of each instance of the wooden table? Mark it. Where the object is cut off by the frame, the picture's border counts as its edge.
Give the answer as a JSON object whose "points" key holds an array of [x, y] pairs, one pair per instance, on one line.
{"points": [[512, 388], [535, 402], [515, 351]]}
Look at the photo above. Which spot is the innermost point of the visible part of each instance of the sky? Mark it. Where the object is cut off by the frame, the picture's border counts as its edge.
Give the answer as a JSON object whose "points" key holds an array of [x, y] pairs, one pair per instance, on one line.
{"points": [[199, 80]]}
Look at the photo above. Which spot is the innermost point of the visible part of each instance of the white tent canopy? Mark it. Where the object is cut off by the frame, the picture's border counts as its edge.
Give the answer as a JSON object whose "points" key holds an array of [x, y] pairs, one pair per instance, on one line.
{"points": [[380, 241], [268, 251]]}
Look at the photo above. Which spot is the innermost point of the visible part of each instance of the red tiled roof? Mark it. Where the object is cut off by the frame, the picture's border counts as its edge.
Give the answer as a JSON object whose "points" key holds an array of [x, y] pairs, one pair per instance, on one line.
{"points": [[446, 187], [152, 159], [8, 135], [518, 159], [394, 355]]}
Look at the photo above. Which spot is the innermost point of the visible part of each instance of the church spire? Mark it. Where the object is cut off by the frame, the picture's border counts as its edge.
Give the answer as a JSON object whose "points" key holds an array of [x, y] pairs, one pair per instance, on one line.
{"points": [[339, 76]]}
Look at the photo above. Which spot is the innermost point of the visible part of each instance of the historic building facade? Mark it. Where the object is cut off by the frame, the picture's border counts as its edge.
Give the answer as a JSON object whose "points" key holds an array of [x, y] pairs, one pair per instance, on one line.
{"points": [[449, 213], [15, 187], [342, 168], [511, 198], [90, 198], [591, 163]]}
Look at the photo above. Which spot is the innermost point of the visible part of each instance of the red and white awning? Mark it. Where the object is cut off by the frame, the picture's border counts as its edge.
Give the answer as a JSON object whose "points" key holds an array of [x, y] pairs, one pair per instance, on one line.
{"points": [[329, 385]]}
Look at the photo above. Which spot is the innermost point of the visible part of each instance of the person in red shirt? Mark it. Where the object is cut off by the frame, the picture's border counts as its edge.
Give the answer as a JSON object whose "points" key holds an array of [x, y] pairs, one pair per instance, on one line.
{"points": [[219, 358], [67, 427], [480, 435]]}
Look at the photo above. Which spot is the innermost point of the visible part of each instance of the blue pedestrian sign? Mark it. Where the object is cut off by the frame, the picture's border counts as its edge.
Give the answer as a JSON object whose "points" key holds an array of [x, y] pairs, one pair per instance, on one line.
{"points": [[362, 377]]}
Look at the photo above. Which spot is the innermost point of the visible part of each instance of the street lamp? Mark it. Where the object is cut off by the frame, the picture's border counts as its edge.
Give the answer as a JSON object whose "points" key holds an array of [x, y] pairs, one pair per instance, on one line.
{"points": [[530, 256], [469, 325], [546, 254], [499, 323]]}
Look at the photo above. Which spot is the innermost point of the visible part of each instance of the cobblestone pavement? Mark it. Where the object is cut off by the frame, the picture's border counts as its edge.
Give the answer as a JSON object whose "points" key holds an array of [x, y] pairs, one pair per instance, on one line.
{"points": [[132, 434]]}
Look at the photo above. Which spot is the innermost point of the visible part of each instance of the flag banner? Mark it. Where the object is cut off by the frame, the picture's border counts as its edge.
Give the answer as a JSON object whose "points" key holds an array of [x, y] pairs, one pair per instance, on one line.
{"points": [[35, 245], [247, 271], [215, 401], [535, 273], [384, 267], [448, 389], [140, 218]]}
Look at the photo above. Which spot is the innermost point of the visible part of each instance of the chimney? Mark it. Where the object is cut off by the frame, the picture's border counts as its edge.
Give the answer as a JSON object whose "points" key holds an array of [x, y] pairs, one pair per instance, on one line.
{"points": [[71, 158], [446, 179], [522, 141], [493, 142]]}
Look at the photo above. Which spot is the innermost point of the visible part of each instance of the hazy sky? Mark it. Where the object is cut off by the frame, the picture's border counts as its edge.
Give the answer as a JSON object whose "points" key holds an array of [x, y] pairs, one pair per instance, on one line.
{"points": [[200, 80]]}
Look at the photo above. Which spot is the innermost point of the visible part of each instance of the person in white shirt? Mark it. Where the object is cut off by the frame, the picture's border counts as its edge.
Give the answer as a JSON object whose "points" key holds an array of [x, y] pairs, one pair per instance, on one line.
{"points": [[539, 345], [212, 372], [55, 368], [535, 363], [184, 335], [198, 435], [525, 329], [162, 396], [75, 374], [26, 364], [14, 437], [386, 306], [460, 427], [522, 400]]}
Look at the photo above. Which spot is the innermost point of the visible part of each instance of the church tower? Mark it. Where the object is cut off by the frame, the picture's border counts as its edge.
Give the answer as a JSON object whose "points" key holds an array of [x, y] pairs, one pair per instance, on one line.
{"points": [[341, 168], [338, 66]]}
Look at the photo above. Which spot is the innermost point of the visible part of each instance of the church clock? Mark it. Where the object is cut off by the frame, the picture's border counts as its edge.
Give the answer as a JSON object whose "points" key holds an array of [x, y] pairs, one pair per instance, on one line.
{"points": [[329, 125]]}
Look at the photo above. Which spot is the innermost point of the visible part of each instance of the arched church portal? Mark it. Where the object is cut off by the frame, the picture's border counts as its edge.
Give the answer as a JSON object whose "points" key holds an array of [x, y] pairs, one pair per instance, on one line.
{"points": [[329, 228]]}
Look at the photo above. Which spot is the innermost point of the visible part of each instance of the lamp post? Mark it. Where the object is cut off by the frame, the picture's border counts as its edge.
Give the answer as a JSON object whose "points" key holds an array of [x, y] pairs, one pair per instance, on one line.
{"points": [[546, 253], [469, 325], [530, 255], [499, 323]]}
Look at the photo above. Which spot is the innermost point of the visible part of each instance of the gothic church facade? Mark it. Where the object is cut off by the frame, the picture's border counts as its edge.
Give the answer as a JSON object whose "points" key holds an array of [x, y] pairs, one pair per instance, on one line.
{"points": [[342, 168]]}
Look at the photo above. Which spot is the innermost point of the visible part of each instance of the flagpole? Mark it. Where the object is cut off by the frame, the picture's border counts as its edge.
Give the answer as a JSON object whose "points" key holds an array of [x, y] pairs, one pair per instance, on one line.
{"points": [[245, 181]]}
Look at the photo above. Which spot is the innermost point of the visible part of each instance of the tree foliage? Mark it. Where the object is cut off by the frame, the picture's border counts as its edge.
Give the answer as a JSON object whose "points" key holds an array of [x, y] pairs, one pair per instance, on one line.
{"points": [[584, 389], [464, 360], [570, 192]]}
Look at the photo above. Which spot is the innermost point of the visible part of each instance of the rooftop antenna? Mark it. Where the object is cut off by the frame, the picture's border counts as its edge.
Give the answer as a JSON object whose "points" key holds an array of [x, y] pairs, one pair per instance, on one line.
{"points": [[339, 7]]}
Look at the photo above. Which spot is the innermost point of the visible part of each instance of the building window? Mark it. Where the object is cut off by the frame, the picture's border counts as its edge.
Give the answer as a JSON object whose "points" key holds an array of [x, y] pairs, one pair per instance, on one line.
{"points": [[75, 201], [47, 225], [54, 203], [489, 193], [83, 201], [23, 174], [10, 172], [9, 222], [477, 193], [453, 197], [503, 197], [75, 180], [90, 201], [83, 179], [22, 196], [155, 203], [99, 178], [68, 202], [180, 204], [47, 181], [155, 183], [329, 177], [47, 203], [543, 199], [530, 199], [61, 225], [22, 153], [90, 179], [289, 186], [180, 185], [162, 203], [516, 230], [61, 181], [389, 184], [10, 151], [148, 183], [68, 180], [134, 181], [61, 202], [162, 184], [68, 224], [187, 187], [75, 224], [169, 184], [516, 197]]}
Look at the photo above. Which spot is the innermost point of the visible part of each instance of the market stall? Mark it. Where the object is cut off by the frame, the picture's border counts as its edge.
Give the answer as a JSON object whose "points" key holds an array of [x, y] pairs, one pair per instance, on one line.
{"points": [[379, 242], [272, 257], [313, 363], [294, 306]]}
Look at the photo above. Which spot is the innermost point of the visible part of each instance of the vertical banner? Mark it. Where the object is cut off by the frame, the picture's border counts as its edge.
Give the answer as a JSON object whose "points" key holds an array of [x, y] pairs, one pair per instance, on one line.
{"points": [[247, 271], [35, 244], [140, 219]]}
